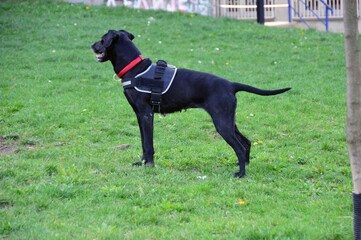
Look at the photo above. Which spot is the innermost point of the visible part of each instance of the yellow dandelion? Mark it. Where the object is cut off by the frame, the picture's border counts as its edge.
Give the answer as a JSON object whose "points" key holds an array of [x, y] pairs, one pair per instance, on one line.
{"points": [[257, 142], [241, 201]]}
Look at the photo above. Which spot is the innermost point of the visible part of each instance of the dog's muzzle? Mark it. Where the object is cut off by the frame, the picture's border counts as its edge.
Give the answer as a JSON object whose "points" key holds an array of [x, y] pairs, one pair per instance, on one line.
{"points": [[99, 51], [100, 57]]}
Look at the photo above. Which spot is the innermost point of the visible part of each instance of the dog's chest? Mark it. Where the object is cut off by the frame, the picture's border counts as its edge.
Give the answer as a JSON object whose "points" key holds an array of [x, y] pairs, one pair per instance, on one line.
{"points": [[145, 81]]}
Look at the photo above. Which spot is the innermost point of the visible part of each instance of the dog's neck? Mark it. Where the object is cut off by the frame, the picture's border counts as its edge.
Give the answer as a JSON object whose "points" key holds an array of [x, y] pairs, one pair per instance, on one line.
{"points": [[127, 59], [139, 65], [131, 65]]}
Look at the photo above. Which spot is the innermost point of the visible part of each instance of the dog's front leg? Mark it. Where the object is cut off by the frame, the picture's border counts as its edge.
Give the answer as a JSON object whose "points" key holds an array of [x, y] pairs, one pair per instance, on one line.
{"points": [[145, 122], [145, 117]]}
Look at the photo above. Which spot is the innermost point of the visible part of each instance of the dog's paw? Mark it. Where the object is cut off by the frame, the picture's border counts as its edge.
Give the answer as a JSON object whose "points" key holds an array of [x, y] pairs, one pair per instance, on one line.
{"points": [[137, 164], [239, 175], [141, 163], [149, 164]]}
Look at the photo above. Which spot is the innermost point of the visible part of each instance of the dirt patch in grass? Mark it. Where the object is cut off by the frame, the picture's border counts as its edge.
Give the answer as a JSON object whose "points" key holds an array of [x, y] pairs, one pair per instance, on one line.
{"points": [[5, 147], [5, 204], [122, 146]]}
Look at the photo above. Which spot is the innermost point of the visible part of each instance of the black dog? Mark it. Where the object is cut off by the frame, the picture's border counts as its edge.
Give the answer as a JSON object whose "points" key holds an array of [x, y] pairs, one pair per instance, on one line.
{"points": [[190, 89]]}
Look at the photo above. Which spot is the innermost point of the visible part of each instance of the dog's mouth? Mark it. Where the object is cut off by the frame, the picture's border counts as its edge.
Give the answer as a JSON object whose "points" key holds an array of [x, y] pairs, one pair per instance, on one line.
{"points": [[100, 56], [99, 51]]}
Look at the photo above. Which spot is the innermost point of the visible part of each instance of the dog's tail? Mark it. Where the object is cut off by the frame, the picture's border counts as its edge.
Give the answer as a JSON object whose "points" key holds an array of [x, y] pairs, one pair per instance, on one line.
{"points": [[247, 88]]}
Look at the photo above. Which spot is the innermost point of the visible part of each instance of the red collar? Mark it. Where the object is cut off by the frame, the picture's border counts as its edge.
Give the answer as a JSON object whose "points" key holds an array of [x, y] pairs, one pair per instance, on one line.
{"points": [[130, 66]]}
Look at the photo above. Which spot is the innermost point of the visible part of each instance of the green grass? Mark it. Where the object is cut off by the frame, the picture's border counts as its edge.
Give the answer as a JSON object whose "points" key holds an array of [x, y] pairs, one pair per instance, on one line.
{"points": [[64, 114]]}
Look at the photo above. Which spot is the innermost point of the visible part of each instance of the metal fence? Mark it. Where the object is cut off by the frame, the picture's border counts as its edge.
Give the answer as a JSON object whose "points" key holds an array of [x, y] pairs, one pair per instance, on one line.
{"points": [[242, 9], [239, 9]]}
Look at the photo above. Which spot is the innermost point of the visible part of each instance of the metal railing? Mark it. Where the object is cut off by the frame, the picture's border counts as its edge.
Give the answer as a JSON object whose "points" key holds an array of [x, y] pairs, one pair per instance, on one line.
{"points": [[309, 10], [319, 8], [243, 9]]}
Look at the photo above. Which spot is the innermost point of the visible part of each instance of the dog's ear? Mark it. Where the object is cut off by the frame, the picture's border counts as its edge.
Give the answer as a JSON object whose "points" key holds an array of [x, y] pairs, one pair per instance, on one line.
{"points": [[109, 37], [128, 34]]}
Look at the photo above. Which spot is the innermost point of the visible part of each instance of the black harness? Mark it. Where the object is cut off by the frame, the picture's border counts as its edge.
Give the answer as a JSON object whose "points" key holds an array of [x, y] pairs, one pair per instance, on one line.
{"points": [[156, 80]]}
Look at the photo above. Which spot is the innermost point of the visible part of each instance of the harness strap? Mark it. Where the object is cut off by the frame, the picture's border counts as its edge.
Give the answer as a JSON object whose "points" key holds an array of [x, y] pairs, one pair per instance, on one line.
{"points": [[156, 90], [155, 84], [141, 81]]}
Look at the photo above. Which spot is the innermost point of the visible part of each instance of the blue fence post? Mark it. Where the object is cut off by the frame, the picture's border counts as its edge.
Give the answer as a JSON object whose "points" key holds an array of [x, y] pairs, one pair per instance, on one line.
{"points": [[326, 19], [289, 11]]}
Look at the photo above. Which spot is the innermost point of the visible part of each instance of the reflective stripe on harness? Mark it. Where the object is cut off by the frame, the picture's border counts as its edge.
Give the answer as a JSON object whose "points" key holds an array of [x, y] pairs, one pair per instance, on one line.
{"points": [[154, 84]]}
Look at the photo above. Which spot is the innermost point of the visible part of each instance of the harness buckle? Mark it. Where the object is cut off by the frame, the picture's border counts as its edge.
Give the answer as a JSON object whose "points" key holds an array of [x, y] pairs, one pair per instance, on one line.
{"points": [[155, 100]]}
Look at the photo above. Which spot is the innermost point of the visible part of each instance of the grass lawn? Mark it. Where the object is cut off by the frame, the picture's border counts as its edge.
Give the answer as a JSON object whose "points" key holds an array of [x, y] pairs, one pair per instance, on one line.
{"points": [[62, 114]]}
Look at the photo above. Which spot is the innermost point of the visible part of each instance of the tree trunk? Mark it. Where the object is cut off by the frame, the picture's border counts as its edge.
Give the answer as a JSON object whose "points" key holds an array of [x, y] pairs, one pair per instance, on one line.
{"points": [[353, 105]]}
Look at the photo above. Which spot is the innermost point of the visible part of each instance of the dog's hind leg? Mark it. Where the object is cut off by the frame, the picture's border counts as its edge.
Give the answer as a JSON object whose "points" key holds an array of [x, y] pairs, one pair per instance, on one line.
{"points": [[246, 143], [223, 116], [228, 133]]}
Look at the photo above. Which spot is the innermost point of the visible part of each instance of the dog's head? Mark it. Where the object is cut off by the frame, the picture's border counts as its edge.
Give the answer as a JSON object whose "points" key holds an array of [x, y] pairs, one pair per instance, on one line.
{"points": [[104, 48]]}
